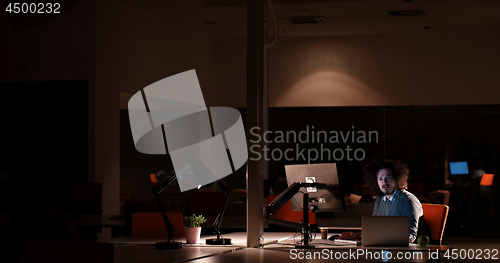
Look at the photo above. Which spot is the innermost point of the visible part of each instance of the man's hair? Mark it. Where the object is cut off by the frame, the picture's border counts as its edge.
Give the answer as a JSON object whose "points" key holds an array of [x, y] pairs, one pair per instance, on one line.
{"points": [[399, 173]]}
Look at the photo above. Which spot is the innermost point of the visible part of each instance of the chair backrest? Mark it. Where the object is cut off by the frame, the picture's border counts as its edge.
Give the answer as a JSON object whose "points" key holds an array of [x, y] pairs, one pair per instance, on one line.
{"points": [[435, 216], [238, 195], [144, 206], [147, 224], [286, 212], [417, 189], [136, 206], [487, 179], [439, 197]]}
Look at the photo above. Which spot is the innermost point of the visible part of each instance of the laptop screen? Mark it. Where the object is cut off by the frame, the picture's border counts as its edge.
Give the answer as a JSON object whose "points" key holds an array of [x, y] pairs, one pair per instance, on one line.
{"points": [[459, 168], [375, 231]]}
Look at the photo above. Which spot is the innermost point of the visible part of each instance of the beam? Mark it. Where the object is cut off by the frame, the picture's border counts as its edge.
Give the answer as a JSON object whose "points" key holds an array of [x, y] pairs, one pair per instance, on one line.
{"points": [[255, 84]]}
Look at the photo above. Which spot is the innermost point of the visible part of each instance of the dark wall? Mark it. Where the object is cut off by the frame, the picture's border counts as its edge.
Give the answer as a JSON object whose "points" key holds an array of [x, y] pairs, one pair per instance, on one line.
{"points": [[44, 137], [135, 167], [420, 136], [339, 146]]}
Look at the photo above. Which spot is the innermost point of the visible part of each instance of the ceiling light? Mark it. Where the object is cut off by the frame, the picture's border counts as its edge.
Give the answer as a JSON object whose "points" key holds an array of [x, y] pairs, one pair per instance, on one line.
{"points": [[414, 12]]}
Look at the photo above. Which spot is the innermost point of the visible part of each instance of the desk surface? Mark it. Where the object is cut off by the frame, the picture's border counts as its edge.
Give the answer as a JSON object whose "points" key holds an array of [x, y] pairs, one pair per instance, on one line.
{"points": [[147, 253], [131, 250], [270, 240], [238, 239], [253, 255], [143, 254], [339, 223], [325, 243]]}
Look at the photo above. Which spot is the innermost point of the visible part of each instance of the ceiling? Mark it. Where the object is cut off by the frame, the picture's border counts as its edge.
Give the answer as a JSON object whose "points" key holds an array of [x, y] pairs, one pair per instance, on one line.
{"points": [[227, 18]]}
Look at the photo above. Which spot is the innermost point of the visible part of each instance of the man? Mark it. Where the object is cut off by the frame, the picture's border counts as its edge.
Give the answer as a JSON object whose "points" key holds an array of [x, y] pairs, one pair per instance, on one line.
{"points": [[388, 180]]}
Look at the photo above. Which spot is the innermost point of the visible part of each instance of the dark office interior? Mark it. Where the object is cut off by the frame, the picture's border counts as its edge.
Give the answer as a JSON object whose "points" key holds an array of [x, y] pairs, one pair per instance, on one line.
{"points": [[421, 77]]}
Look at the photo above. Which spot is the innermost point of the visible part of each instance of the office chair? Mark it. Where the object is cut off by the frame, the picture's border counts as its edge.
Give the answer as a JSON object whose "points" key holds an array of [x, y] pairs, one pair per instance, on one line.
{"points": [[435, 216], [439, 197], [131, 207], [418, 189], [147, 224]]}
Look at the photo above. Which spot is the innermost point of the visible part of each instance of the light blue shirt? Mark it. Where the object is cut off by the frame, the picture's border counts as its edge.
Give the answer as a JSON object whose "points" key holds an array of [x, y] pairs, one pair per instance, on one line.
{"points": [[393, 196]]}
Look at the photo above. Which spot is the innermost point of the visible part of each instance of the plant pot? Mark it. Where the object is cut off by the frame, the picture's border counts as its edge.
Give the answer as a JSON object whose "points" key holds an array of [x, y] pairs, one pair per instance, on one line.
{"points": [[192, 235]]}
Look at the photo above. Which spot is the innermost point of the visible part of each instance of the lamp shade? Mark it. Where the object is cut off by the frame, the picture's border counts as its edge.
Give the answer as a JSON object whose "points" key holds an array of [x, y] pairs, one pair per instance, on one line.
{"points": [[152, 178], [487, 179]]}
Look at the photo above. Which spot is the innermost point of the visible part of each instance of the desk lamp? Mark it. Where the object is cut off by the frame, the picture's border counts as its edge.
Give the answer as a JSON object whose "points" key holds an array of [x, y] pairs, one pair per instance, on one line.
{"points": [[281, 200], [170, 244], [218, 220]]}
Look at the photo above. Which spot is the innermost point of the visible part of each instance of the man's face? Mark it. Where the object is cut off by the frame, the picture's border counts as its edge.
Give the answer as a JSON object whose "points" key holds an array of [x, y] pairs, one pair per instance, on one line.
{"points": [[386, 181]]}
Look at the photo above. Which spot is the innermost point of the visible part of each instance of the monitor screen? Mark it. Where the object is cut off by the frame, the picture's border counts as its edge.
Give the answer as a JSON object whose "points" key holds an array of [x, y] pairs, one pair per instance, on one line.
{"points": [[327, 197], [458, 168]]}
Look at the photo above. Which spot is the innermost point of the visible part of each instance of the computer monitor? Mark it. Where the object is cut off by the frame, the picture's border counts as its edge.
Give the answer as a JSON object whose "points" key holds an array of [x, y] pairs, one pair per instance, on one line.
{"points": [[458, 168], [327, 197]]}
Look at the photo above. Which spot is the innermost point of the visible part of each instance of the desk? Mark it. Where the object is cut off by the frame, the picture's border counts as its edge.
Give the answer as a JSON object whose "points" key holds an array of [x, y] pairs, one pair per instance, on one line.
{"points": [[325, 243], [238, 239], [253, 255], [140, 254], [327, 250], [349, 224], [148, 254], [132, 250], [89, 222]]}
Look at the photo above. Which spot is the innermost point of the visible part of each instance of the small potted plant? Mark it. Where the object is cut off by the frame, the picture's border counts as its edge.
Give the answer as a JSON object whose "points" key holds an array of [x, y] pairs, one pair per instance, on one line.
{"points": [[192, 227]]}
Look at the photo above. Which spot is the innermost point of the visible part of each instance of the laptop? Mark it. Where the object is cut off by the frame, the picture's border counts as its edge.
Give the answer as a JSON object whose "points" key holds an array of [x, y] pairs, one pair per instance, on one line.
{"points": [[385, 231]]}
